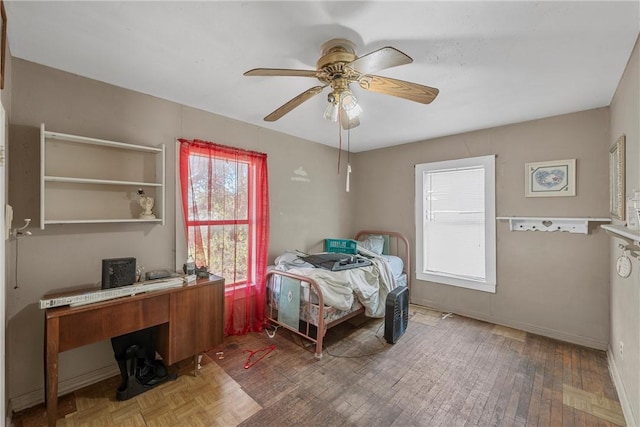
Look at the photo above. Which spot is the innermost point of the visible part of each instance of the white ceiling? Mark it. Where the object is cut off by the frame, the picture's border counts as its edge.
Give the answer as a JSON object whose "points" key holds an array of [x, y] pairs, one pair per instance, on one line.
{"points": [[495, 63]]}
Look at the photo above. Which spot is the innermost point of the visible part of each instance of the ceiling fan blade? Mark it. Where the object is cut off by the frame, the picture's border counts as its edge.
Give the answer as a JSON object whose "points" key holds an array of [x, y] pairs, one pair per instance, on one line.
{"points": [[380, 59], [284, 109], [281, 72], [399, 88]]}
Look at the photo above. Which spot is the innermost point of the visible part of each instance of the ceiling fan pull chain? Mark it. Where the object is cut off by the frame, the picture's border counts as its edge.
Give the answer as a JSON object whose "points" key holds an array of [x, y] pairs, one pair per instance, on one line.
{"points": [[339, 137], [349, 146], [348, 157]]}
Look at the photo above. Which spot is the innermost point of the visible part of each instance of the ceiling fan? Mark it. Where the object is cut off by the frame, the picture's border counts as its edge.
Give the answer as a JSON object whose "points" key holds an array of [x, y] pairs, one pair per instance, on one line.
{"points": [[338, 67]]}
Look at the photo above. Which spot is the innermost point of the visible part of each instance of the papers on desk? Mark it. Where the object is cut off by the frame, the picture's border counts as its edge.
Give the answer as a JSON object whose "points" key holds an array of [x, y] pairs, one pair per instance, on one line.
{"points": [[112, 293]]}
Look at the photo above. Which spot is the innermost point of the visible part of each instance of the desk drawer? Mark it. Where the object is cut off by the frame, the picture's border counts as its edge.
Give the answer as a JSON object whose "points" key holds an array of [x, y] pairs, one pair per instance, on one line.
{"points": [[86, 327]]}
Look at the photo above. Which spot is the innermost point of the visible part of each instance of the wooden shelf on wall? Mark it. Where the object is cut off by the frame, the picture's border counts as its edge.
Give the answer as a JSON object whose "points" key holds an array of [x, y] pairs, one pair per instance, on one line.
{"points": [[571, 225], [86, 180], [622, 231]]}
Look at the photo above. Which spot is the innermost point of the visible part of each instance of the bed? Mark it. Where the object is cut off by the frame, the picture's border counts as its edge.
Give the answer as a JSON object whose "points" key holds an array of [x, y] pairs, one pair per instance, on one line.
{"points": [[308, 300]]}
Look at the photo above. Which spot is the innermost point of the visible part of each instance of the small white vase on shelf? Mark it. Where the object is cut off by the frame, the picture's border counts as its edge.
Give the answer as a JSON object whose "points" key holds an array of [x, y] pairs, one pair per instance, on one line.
{"points": [[147, 204]]}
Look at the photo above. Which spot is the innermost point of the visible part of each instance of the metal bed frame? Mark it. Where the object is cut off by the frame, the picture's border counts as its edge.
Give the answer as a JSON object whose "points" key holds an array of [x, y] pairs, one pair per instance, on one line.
{"points": [[398, 246]]}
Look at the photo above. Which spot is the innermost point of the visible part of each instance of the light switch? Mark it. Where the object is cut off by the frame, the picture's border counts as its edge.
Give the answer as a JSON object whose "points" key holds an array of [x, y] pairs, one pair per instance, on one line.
{"points": [[8, 219]]}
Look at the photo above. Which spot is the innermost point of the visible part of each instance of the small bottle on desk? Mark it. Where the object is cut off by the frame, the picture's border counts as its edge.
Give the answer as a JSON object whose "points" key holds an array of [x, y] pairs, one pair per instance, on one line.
{"points": [[189, 269]]}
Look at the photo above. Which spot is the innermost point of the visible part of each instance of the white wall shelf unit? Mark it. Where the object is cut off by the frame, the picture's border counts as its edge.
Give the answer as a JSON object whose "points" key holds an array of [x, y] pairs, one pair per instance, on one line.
{"points": [[622, 232], [571, 225], [89, 181]]}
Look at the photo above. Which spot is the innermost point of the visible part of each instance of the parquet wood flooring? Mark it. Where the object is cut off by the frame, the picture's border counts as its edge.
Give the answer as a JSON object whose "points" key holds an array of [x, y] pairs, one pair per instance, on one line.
{"points": [[444, 371], [454, 371], [211, 398]]}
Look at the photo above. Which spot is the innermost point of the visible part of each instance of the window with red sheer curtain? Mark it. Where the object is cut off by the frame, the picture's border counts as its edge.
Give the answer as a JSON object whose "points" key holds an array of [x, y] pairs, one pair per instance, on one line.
{"points": [[225, 200]]}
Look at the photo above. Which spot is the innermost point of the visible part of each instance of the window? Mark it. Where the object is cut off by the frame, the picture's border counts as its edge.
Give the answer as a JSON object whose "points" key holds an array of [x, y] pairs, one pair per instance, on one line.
{"points": [[455, 223], [218, 223], [226, 211]]}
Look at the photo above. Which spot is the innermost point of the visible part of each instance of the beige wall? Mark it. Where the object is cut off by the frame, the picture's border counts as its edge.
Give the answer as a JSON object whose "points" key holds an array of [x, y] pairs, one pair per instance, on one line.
{"points": [[625, 293], [550, 283], [5, 95], [555, 284], [302, 212]]}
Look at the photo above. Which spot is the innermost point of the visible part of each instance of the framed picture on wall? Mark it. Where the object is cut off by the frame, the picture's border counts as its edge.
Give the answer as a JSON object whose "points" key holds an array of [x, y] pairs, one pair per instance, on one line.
{"points": [[616, 179], [3, 42], [550, 179]]}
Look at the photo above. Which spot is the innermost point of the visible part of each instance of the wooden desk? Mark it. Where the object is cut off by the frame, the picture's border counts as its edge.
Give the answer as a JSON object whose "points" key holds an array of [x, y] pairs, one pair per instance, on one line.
{"points": [[190, 318]]}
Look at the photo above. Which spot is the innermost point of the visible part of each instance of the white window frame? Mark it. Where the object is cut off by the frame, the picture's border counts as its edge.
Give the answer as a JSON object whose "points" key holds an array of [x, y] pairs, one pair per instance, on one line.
{"points": [[488, 163]]}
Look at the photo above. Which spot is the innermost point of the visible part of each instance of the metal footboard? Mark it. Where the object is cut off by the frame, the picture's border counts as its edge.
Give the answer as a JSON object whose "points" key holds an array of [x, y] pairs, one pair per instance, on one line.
{"points": [[305, 309]]}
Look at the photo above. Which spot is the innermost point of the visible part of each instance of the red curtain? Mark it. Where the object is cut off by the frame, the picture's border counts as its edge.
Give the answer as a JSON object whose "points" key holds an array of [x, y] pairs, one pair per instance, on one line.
{"points": [[225, 198]]}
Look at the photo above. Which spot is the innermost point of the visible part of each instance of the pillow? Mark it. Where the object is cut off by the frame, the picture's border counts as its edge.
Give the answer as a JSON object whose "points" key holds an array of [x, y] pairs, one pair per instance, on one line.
{"points": [[374, 243]]}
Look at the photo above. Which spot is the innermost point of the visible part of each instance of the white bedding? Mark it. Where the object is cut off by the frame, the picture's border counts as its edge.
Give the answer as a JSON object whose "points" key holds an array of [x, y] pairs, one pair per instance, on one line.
{"points": [[395, 263], [369, 284]]}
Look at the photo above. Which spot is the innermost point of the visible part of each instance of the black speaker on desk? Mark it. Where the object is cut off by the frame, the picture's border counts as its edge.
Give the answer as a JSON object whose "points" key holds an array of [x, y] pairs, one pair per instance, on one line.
{"points": [[118, 272]]}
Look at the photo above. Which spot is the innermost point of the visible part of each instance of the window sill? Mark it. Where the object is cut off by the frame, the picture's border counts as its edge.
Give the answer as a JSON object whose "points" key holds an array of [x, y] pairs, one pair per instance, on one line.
{"points": [[240, 291], [460, 283]]}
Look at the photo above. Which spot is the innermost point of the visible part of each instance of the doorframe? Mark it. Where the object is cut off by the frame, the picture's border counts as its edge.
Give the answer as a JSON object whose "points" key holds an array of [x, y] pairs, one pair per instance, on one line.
{"points": [[3, 261]]}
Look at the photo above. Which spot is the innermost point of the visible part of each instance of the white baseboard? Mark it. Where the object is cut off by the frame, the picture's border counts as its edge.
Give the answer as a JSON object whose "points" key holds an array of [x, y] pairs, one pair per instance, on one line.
{"points": [[36, 397], [622, 393], [534, 329]]}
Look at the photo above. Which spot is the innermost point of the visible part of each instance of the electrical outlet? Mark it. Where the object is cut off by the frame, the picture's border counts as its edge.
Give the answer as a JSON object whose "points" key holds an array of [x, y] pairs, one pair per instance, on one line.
{"points": [[621, 350]]}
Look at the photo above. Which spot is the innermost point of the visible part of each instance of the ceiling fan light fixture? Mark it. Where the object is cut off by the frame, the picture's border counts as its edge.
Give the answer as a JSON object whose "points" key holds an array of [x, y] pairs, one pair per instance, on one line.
{"points": [[348, 122], [350, 104], [332, 111]]}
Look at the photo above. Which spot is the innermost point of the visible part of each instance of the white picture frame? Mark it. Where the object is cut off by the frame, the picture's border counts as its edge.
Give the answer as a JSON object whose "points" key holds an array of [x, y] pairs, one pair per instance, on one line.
{"points": [[556, 178], [617, 179]]}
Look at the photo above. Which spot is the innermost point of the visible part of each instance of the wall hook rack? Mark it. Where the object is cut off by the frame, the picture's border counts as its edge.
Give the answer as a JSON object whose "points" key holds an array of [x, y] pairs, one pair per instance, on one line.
{"points": [[19, 232], [630, 249], [571, 225], [622, 232]]}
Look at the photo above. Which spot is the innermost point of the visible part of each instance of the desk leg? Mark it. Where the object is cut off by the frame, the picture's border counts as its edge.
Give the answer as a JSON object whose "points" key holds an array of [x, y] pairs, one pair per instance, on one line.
{"points": [[197, 359], [52, 329]]}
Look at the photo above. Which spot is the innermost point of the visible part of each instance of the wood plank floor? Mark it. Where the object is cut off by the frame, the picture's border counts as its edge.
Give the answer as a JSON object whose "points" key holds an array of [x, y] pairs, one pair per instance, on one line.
{"points": [[444, 371]]}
